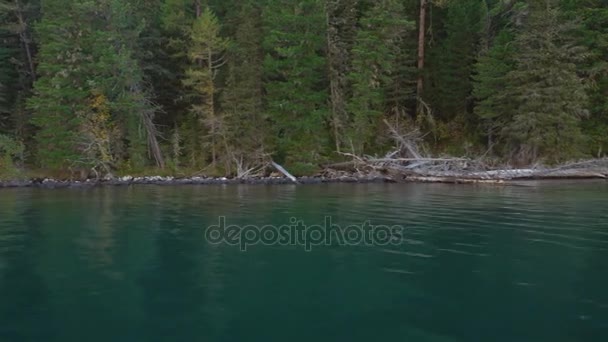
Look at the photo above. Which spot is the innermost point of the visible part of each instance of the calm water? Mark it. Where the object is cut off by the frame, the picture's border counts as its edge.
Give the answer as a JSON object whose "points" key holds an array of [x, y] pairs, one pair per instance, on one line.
{"points": [[475, 264]]}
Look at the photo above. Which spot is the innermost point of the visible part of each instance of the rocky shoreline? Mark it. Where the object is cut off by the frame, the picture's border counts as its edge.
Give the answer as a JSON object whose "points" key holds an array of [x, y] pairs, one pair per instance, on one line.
{"points": [[49, 183], [342, 177]]}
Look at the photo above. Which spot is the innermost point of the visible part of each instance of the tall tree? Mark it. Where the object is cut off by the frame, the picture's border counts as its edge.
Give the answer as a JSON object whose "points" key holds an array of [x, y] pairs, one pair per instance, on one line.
{"points": [[242, 97], [421, 49], [61, 91], [454, 57], [341, 32], [593, 34], [17, 70], [87, 62], [207, 55], [548, 94], [296, 81], [490, 77], [376, 61]]}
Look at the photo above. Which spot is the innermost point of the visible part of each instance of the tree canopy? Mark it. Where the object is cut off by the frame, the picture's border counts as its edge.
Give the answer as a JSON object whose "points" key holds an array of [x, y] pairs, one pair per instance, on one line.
{"points": [[219, 86]]}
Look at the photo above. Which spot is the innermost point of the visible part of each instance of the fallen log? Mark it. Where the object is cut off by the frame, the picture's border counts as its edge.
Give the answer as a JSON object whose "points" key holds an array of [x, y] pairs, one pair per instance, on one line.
{"points": [[452, 180], [575, 173], [408, 162], [284, 172]]}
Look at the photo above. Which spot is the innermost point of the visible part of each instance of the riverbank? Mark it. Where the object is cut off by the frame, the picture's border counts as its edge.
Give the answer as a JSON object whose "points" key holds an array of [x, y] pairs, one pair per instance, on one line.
{"points": [[518, 177], [49, 183]]}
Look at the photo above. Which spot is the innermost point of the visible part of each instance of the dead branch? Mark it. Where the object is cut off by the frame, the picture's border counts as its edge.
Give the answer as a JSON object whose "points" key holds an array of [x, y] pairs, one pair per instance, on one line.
{"points": [[407, 163], [284, 172]]}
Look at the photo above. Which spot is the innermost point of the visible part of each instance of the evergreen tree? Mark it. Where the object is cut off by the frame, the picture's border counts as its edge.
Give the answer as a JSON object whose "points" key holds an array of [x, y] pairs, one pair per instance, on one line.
{"points": [[62, 89], [206, 54], [128, 90], [97, 85], [341, 32], [241, 101], [593, 34], [17, 66], [296, 81], [90, 58], [453, 59], [376, 63], [548, 95], [493, 106]]}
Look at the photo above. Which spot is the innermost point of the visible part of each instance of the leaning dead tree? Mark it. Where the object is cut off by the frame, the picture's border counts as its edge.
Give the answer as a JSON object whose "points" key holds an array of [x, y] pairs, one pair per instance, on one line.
{"points": [[408, 161]]}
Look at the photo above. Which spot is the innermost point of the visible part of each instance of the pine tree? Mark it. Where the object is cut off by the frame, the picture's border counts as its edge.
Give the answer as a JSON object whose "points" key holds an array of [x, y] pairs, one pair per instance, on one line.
{"points": [[241, 100], [593, 34], [17, 66], [127, 87], [7, 72], [296, 81], [341, 32], [206, 54], [61, 92], [376, 63], [494, 108], [92, 57], [548, 94], [454, 57]]}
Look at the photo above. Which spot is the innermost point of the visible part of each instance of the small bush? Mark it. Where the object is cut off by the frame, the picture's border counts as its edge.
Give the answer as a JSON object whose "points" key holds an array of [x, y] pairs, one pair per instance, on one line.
{"points": [[299, 169], [10, 152]]}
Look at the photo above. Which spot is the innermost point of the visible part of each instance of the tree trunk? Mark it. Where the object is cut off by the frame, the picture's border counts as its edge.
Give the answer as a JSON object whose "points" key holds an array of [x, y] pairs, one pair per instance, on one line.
{"points": [[197, 5], [421, 45], [341, 18], [23, 36], [153, 144], [211, 107], [332, 54]]}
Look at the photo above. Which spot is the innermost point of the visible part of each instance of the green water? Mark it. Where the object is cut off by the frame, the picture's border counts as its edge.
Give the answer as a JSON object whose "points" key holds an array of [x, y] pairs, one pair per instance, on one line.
{"points": [[473, 264]]}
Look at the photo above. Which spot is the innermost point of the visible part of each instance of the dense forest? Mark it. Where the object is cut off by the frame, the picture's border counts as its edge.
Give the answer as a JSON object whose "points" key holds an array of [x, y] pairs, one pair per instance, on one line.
{"points": [[221, 86]]}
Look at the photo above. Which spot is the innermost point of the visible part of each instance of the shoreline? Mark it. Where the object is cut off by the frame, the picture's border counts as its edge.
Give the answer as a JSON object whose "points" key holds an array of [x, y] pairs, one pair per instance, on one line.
{"points": [[49, 183]]}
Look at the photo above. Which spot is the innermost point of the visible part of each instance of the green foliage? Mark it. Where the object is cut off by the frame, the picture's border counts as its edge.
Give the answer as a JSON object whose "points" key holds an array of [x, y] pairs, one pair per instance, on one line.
{"points": [[206, 54], [593, 34], [60, 95], [87, 51], [300, 169], [119, 82], [377, 54], [241, 100], [16, 63], [296, 83], [548, 95], [10, 151], [494, 107], [452, 59]]}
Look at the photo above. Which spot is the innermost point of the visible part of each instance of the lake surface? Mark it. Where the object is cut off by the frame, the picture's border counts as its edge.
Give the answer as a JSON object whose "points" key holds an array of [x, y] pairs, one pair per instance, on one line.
{"points": [[513, 263]]}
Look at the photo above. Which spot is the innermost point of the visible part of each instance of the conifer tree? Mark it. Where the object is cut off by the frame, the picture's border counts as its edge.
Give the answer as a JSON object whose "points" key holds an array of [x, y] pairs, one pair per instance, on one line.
{"points": [[493, 105], [17, 65], [296, 81], [454, 58], [241, 100], [206, 54], [548, 94], [61, 93], [376, 58], [341, 32], [593, 34]]}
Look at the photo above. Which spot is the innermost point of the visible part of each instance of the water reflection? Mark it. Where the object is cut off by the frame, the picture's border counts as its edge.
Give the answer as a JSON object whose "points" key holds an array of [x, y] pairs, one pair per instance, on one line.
{"points": [[476, 263]]}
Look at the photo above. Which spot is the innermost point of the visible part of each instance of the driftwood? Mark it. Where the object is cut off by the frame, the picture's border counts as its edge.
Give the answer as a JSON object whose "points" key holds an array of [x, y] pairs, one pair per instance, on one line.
{"points": [[285, 172], [408, 162]]}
